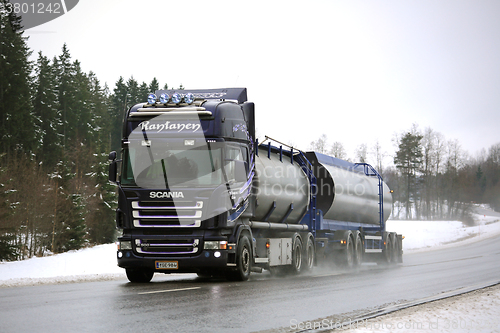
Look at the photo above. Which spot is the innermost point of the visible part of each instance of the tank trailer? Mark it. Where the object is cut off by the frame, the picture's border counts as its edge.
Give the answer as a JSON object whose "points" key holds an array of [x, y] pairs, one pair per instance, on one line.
{"points": [[197, 193]]}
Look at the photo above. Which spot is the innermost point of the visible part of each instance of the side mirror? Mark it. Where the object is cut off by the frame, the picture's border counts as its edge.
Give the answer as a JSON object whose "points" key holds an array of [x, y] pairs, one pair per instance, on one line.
{"points": [[113, 167]]}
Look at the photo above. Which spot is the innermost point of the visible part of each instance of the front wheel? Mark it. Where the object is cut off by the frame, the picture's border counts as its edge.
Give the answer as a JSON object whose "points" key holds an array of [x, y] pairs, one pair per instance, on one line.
{"points": [[243, 260], [139, 275]]}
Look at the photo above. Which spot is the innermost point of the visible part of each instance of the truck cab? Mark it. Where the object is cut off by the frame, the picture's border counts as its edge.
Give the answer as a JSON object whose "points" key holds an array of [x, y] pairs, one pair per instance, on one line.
{"points": [[185, 175]]}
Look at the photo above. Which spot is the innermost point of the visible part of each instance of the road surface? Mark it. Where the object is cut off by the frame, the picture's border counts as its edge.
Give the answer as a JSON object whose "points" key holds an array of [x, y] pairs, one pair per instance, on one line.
{"points": [[184, 303]]}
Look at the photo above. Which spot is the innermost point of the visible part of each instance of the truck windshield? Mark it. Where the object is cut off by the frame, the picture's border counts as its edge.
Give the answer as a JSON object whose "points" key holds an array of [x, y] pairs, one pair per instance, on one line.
{"points": [[151, 168]]}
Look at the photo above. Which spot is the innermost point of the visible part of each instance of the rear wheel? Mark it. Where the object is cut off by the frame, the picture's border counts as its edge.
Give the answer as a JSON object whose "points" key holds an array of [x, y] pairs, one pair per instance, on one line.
{"points": [[310, 253], [346, 256], [297, 261], [388, 250], [394, 249], [139, 275], [359, 251]]}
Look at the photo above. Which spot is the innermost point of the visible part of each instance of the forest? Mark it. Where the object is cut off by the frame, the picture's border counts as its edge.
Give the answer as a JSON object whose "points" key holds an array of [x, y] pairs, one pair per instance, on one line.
{"points": [[58, 125]]}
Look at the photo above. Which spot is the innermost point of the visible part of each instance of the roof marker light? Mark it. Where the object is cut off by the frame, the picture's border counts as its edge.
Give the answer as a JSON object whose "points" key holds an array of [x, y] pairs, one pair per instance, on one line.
{"points": [[189, 98], [164, 98], [151, 99], [176, 98]]}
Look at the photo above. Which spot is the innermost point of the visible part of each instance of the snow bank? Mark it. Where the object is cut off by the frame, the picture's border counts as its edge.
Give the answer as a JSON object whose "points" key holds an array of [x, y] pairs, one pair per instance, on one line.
{"points": [[96, 263], [432, 235], [477, 311]]}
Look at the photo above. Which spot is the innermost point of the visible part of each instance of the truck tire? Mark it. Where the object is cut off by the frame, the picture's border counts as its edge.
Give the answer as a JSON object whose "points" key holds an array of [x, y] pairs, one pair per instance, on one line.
{"points": [[244, 260], [358, 251], [394, 249], [388, 250], [309, 254], [345, 257], [297, 259], [139, 275]]}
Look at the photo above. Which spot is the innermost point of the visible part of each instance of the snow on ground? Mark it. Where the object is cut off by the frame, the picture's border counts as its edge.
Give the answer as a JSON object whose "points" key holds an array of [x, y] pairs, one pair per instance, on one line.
{"points": [[432, 235], [477, 311], [96, 263]]}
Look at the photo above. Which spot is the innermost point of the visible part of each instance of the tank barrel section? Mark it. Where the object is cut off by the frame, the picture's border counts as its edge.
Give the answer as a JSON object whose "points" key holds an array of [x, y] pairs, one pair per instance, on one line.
{"points": [[281, 187], [350, 192], [343, 191], [371, 172]]}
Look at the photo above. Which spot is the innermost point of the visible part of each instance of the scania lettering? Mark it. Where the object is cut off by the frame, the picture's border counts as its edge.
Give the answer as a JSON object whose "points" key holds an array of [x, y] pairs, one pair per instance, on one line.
{"points": [[153, 195], [197, 193]]}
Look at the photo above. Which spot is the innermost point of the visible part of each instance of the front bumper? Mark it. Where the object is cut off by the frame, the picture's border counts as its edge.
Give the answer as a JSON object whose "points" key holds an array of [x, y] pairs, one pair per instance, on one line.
{"points": [[207, 260]]}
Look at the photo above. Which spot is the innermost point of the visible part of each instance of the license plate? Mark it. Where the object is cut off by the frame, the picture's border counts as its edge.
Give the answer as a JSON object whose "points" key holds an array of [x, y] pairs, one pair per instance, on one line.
{"points": [[167, 265]]}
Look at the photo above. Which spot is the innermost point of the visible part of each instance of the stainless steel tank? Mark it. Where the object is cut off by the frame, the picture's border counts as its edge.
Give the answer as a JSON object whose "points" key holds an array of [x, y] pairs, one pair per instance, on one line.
{"points": [[345, 193], [280, 183]]}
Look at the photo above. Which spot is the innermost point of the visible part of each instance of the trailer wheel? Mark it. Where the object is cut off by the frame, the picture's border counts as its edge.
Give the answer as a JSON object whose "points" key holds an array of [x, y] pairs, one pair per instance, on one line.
{"points": [[243, 260], [346, 256], [388, 250], [139, 275], [394, 249], [358, 251], [310, 255]]}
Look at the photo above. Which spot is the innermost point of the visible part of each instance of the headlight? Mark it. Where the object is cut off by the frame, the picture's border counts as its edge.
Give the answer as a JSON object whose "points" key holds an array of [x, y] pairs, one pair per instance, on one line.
{"points": [[164, 98], [176, 98], [215, 245], [151, 99], [125, 245], [189, 98]]}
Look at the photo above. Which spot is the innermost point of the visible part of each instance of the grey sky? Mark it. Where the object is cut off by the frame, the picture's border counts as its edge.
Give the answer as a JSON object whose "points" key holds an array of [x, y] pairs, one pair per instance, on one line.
{"points": [[357, 71]]}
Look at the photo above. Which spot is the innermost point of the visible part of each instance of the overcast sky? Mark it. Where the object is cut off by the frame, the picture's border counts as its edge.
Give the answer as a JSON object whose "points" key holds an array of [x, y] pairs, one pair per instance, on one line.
{"points": [[357, 71]]}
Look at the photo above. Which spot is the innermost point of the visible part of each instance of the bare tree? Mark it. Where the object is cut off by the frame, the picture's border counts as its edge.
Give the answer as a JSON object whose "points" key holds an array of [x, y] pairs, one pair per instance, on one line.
{"points": [[378, 156], [361, 153], [320, 145], [337, 150]]}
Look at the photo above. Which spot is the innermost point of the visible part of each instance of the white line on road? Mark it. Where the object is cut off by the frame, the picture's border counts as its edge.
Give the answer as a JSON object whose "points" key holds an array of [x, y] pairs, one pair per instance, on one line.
{"points": [[167, 291]]}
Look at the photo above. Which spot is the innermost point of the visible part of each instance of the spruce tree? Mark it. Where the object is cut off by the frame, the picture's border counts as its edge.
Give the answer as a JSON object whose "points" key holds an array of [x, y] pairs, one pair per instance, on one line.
{"points": [[47, 112], [117, 111], [17, 125], [408, 160], [154, 85]]}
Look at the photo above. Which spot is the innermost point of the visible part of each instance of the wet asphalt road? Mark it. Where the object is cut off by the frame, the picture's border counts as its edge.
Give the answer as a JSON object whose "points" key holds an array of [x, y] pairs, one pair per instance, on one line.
{"points": [[183, 303]]}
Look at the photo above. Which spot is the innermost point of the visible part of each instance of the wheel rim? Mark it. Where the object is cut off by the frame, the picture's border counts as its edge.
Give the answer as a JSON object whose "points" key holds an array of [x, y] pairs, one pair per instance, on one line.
{"points": [[388, 249], [298, 257], [349, 253], [310, 256], [359, 252], [245, 260]]}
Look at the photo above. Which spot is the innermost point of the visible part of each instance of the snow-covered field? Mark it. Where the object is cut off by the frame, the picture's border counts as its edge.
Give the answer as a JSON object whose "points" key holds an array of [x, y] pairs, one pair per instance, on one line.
{"points": [[477, 311]]}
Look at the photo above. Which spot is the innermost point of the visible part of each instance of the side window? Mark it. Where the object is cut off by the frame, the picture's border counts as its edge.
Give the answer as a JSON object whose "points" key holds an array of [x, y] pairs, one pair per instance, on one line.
{"points": [[236, 156]]}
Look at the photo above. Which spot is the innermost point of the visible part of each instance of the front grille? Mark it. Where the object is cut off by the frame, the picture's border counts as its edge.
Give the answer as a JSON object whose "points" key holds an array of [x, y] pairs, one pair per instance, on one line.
{"points": [[164, 246], [155, 214]]}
